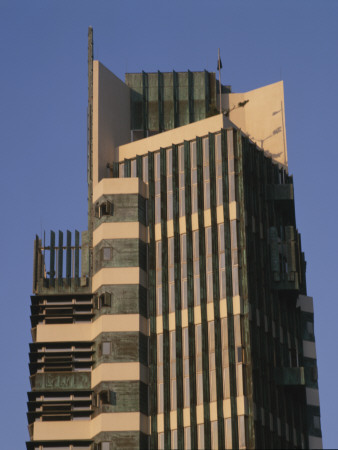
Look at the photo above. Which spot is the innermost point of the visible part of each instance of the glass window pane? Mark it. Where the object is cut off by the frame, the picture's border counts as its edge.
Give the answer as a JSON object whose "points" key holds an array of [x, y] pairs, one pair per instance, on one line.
{"points": [[185, 342], [228, 434], [187, 438], [213, 393], [157, 209], [186, 392], [207, 195], [169, 161], [106, 348], [107, 253], [160, 398], [157, 166], [133, 168], [214, 435], [218, 147], [161, 441], [160, 348], [145, 168], [174, 439], [226, 383], [200, 436], [172, 297], [173, 395], [241, 431], [170, 206], [199, 388], [219, 200], [206, 151], [183, 247], [159, 300], [197, 291], [184, 294]]}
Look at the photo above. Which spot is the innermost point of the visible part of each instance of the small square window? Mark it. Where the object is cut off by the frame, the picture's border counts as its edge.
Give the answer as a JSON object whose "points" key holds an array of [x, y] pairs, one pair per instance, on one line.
{"points": [[239, 354], [105, 209], [107, 253], [309, 327], [106, 348], [316, 422], [105, 299]]}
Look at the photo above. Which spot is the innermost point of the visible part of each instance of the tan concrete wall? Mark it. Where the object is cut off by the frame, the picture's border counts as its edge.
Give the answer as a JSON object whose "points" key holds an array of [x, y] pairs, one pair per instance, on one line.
{"points": [[111, 117], [87, 429], [175, 136], [262, 118], [89, 331], [119, 186], [129, 371], [120, 230], [119, 275]]}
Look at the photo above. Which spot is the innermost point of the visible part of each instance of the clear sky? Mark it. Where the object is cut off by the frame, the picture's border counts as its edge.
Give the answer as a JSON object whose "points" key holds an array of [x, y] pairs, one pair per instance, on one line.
{"points": [[43, 100]]}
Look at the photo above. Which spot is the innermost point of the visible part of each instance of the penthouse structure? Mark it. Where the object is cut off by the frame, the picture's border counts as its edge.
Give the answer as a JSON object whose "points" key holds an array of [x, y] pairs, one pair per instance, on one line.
{"points": [[180, 319]]}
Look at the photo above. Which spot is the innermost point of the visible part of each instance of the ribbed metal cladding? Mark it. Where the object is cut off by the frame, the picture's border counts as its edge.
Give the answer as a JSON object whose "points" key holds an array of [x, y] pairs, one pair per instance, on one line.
{"points": [[145, 102], [203, 295], [165, 300], [178, 303], [191, 96], [228, 266], [243, 288], [190, 279], [160, 101], [152, 304], [216, 293]]}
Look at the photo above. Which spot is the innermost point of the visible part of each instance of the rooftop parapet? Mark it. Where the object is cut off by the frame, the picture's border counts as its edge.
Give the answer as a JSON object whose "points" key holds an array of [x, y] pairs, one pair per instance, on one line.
{"points": [[57, 268]]}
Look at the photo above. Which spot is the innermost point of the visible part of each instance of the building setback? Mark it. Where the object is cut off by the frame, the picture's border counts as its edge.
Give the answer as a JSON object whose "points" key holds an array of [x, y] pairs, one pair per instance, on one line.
{"points": [[180, 319]]}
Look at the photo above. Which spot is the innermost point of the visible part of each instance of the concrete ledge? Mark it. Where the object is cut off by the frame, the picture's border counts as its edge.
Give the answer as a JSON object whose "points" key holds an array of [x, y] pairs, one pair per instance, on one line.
{"points": [[124, 230], [129, 371], [119, 186], [89, 331], [86, 429]]}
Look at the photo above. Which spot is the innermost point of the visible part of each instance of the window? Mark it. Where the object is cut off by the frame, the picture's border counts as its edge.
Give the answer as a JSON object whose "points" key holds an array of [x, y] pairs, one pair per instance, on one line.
{"points": [[106, 348], [102, 300], [187, 438], [104, 397], [316, 422], [309, 327], [106, 253], [103, 209], [200, 436]]}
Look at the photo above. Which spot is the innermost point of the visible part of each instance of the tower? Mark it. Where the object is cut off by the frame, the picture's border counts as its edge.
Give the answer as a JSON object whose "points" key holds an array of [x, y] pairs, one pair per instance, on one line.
{"points": [[182, 319]]}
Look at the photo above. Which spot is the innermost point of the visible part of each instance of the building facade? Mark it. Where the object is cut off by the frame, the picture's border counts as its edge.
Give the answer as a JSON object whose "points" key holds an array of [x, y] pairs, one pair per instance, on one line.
{"points": [[180, 319]]}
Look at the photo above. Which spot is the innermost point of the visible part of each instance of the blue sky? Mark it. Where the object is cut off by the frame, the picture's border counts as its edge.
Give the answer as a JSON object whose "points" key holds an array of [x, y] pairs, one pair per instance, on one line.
{"points": [[43, 100]]}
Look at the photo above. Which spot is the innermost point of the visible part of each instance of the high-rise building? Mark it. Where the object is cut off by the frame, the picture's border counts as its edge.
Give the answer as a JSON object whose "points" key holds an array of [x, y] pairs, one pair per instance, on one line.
{"points": [[181, 320]]}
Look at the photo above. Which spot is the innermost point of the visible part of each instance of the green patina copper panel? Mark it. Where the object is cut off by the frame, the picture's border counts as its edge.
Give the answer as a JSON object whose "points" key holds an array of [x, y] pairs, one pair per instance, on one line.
{"points": [[125, 396], [67, 381], [125, 208], [131, 440], [125, 299], [122, 253], [290, 376], [124, 347]]}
